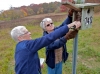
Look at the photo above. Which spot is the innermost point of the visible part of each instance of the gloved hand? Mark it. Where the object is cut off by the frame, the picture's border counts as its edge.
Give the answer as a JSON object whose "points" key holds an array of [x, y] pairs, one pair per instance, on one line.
{"points": [[71, 34], [70, 11]]}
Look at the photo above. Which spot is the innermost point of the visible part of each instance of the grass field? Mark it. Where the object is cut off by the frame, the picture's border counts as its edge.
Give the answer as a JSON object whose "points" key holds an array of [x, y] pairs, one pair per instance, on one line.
{"points": [[88, 58]]}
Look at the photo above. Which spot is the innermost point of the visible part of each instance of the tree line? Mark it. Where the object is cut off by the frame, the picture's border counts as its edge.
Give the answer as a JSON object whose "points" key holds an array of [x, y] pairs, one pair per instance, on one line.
{"points": [[32, 9], [35, 9]]}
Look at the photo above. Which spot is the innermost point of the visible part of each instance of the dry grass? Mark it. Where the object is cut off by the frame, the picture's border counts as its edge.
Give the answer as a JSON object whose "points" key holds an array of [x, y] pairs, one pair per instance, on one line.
{"points": [[88, 45]]}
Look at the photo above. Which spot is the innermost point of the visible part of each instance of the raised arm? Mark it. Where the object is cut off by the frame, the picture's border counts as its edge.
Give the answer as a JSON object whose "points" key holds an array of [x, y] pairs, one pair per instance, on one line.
{"points": [[35, 45], [56, 44], [67, 21]]}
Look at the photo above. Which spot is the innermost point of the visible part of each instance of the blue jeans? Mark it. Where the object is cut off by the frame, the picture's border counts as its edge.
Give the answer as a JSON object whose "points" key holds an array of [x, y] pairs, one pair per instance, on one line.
{"points": [[56, 70]]}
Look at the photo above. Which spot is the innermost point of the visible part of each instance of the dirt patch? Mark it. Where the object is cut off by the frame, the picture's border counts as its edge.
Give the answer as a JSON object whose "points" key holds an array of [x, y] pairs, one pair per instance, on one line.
{"points": [[35, 20]]}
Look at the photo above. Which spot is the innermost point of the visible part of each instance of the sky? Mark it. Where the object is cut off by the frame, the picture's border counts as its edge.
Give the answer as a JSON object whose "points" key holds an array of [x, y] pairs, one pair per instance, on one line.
{"points": [[6, 4]]}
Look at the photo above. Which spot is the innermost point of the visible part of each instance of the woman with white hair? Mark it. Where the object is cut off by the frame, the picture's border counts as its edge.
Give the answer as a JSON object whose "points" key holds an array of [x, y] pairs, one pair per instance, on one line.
{"points": [[56, 52], [26, 50]]}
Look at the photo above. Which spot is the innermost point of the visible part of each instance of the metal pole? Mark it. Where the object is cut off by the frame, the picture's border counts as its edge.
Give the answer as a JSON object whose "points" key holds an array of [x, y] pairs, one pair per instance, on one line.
{"points": [[75, 43], [75, 46]]}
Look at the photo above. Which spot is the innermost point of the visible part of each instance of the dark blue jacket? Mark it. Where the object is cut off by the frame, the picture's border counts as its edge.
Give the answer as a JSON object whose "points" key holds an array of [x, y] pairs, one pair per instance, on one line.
{"points": [[26, 56], [50, 54]]}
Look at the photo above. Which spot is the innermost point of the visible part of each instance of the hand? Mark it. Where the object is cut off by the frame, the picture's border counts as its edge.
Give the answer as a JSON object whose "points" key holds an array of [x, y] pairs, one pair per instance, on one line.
{"points": [[71, 34], [70, 12], [77, 24]]}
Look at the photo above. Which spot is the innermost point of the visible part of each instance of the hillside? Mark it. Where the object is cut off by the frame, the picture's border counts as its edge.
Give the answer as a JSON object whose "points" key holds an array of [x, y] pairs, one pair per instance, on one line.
{"points": [[88, 57], [31, 19]]}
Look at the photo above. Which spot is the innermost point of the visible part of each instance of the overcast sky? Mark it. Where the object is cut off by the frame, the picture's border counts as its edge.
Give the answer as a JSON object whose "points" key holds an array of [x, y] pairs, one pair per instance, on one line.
{"points": [[6, 4]]}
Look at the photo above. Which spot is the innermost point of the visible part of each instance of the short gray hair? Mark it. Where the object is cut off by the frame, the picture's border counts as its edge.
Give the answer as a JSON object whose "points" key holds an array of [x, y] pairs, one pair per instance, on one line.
{"points": [[17, 31], [42, 24]]}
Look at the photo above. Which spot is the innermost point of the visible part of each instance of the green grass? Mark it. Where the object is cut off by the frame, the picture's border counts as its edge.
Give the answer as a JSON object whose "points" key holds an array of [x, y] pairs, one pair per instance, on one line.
{"points": [[88, 58]]}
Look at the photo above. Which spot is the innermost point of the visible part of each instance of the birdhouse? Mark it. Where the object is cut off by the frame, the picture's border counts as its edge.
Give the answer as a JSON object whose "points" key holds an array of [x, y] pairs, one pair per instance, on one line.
{"points": [[86, 10]]}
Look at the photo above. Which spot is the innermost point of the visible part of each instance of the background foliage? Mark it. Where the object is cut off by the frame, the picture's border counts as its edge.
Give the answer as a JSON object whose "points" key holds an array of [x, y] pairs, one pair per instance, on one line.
{"points": [[35, 9]]}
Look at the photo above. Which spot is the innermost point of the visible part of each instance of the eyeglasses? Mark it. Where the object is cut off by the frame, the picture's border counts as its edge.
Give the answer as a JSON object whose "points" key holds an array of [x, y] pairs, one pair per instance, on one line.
{"points": [[49, 24], [25, 33]]}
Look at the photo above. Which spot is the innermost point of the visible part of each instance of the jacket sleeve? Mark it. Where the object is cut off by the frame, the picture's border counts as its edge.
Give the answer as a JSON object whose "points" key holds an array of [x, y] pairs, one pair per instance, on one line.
{"points": [[67, 21], [36, 44], [56, 44]]}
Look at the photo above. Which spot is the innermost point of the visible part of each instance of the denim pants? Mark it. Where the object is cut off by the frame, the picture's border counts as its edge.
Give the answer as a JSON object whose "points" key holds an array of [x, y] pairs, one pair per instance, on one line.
{"points": [[56, 70]]}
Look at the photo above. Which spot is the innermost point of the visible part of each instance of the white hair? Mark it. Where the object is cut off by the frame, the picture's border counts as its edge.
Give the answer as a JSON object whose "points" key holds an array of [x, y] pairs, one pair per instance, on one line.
{"points": [[17, 31], [42, 24]]}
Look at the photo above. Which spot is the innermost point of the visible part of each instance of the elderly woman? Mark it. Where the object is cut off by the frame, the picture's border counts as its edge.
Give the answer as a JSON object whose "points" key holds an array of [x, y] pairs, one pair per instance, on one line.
{"points": [[56, 52]]}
